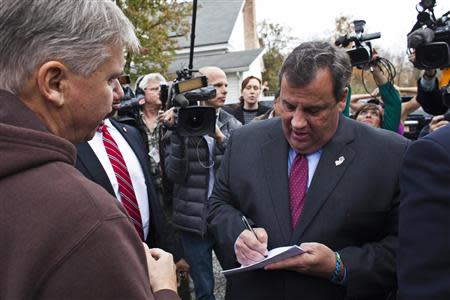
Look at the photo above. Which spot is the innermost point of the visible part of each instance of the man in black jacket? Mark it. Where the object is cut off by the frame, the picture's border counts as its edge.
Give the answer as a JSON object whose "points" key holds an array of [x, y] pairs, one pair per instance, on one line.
{"points": [[191, 163]]}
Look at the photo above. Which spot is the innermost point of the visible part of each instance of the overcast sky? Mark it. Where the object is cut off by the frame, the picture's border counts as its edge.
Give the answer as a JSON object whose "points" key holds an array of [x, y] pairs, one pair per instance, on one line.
{"points": [[316, 18]]}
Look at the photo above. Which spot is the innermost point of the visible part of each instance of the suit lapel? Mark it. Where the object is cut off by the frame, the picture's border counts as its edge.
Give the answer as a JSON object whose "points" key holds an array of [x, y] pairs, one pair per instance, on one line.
{"points": [[336, 157], [275, 152], [139, 150], [134, 144], [86, 156]]}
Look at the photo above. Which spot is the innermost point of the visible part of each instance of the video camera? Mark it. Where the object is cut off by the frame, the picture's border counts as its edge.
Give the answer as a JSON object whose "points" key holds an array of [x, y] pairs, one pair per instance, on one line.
{"points": [[128, 111], [361, 52], [430, 37], [184, 94]]}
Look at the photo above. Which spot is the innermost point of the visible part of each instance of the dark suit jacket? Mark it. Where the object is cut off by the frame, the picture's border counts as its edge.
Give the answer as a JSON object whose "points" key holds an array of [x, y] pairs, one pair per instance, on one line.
{"points": [[161, 232], [351, 208], [424, 225]]}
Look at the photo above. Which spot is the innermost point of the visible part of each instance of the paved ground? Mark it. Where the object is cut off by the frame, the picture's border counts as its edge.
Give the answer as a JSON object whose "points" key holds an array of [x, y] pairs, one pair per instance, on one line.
{"points": [[220, 281]]}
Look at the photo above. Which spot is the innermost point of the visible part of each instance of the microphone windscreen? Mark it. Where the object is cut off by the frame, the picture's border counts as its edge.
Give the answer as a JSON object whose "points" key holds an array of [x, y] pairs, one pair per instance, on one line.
{"points": [[181, 100]]}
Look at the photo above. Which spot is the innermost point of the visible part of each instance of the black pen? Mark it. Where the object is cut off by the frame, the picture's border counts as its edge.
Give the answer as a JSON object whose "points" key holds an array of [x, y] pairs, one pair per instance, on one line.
{"points": [[247, 225]]}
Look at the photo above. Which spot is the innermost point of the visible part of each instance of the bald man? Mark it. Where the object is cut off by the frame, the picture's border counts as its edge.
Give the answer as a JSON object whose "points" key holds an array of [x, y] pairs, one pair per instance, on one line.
{"points": [[191, 163]]}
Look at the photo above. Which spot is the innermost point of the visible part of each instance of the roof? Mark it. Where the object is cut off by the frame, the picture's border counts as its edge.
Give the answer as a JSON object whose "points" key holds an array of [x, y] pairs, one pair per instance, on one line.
{"points": [[229, 61], [214, 24]]}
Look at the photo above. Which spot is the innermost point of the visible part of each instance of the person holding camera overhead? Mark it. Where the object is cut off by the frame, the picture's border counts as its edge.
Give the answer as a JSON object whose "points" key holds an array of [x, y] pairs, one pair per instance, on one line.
{"points": [[191, 163], [431, 91], [380, 114]]}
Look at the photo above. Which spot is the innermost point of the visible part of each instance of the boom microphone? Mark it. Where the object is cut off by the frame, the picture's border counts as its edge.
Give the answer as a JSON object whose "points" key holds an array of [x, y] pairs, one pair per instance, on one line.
{"points": [[181, 100], [342, 40], [129, 103]]}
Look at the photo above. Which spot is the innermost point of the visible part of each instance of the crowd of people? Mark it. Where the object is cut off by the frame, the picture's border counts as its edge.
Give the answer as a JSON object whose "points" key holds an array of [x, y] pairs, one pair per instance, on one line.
{"points": [[94, 207]]}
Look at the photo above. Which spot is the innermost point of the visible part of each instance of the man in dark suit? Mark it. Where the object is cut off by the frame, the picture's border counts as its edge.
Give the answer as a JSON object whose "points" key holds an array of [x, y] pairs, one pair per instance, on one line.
{"points": [[93, 162], [424, 222], [315, 178]]}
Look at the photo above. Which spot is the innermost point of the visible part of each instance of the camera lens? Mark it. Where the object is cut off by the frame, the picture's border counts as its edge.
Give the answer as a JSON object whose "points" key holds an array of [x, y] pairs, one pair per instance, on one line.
{"points": [[196, 121], [433, 55]]}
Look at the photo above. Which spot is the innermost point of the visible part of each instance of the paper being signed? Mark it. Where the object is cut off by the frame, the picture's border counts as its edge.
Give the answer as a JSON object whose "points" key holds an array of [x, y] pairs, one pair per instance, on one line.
{"points": [[275, 255]]}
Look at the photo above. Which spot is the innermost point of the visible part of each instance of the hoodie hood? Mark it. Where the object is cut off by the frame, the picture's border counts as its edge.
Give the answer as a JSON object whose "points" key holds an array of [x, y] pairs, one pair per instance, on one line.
{"points": [[25, 142]]}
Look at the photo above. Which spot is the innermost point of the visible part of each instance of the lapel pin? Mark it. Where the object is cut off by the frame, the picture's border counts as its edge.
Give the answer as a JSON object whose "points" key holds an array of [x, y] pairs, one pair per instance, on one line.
{"points": [[339, 161], [125, 129]]}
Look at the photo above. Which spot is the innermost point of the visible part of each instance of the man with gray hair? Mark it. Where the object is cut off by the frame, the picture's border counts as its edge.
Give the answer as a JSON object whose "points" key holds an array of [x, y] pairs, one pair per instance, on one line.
{"points": [[312, 178], [62, 236], [150, 127]]}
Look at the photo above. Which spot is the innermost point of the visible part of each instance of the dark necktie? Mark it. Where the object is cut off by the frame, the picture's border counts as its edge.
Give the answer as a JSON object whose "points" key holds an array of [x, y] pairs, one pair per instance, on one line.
{"points": [[126, 190], [298, 182]]}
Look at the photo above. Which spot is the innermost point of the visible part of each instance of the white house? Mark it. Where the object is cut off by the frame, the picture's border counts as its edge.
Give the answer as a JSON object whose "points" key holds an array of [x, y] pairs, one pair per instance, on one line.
{"points": [[225, 37]]}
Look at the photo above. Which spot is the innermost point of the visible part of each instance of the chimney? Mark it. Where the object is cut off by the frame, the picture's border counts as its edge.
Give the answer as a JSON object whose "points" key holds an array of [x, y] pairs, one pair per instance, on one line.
{"points": [[250, 36]]}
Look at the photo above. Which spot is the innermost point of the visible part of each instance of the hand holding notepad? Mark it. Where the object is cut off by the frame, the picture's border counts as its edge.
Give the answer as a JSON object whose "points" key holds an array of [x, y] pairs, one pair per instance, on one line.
{"points": [[275, 255]]}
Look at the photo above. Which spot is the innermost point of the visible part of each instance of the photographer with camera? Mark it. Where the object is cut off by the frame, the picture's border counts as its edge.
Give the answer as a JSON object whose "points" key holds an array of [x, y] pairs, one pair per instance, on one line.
{"points": [[389, 109], [148, 117], [148, 122], [364, 57], [423, 266], [191, 163], [429, 43], [429, 93]]}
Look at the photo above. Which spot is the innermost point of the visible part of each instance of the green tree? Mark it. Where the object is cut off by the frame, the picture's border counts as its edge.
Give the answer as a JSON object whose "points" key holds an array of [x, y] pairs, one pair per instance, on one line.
{"points": [[276, 40], [155, 21]]}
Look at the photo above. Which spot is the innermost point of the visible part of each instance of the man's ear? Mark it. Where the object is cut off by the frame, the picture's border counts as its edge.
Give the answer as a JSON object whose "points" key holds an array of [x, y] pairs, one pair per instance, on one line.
{"points": [[52, 81], [343, 100]]}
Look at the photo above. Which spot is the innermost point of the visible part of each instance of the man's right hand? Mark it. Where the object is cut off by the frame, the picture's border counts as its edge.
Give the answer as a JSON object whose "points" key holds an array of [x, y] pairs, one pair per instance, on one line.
{"points": [[161, 269], [168, 117], [437, 122], [250, 249]]}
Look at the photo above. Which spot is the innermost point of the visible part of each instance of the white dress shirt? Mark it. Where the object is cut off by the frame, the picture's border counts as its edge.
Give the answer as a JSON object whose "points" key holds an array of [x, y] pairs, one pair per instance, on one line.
{"points": [[133, 166], [313, 161]]}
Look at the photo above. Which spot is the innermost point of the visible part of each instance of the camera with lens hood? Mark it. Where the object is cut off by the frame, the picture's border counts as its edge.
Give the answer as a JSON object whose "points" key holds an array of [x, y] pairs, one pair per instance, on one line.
{"points": [[184, 94], [361, 52], [430, 37]]}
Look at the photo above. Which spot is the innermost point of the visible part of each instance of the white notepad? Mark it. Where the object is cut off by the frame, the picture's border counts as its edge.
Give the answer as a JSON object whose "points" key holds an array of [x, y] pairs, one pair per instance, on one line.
{"points": [[275, 255]]}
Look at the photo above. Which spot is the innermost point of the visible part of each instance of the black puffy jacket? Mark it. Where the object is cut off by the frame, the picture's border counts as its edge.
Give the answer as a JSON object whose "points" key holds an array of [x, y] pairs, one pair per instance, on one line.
{"points": [[187, 165]]}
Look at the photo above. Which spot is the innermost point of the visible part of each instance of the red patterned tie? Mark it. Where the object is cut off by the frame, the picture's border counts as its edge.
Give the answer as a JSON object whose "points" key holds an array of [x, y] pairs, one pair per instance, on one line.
{"points": [[126, 190], [298, 182]]}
